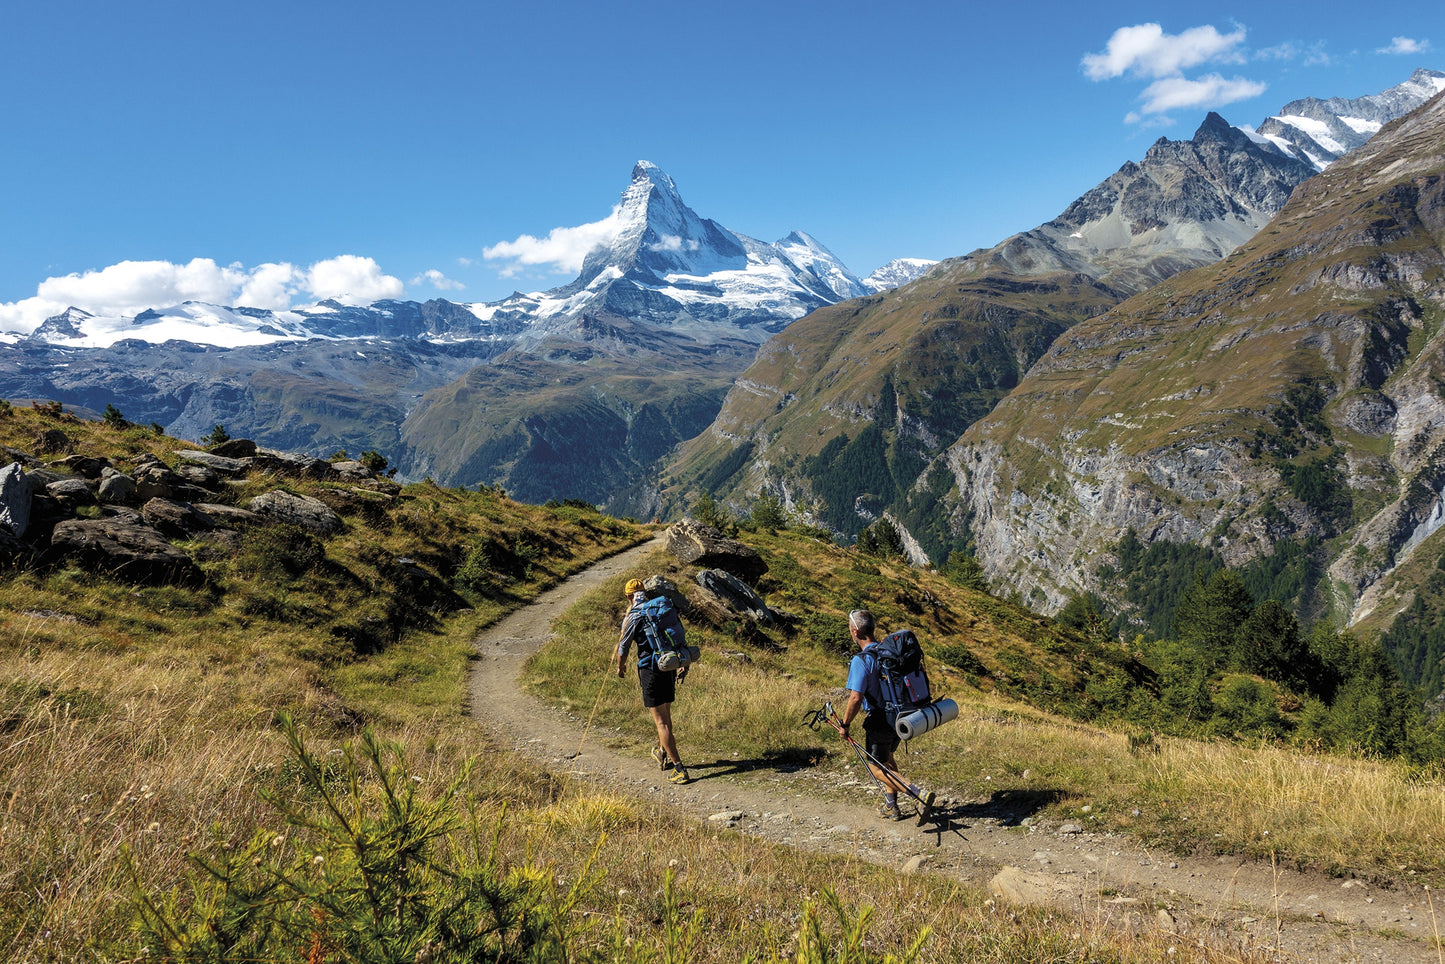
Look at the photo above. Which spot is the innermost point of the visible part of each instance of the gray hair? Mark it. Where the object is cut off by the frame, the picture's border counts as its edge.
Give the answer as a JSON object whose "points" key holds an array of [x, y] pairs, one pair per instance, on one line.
{"points": [[862, 621]]}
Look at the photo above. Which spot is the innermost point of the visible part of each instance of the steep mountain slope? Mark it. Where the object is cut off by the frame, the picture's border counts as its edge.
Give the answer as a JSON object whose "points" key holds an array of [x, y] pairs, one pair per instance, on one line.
{"points": [[843, 411], [1285, 403]]}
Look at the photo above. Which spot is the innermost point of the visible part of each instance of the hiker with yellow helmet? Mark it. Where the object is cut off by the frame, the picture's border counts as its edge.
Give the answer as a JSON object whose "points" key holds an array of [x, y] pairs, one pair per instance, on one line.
{"points": [[659, 687]]}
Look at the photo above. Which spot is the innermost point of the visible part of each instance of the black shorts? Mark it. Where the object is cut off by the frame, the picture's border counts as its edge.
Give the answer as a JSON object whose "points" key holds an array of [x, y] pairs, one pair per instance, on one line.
{"points": [[880, 739], [658, 688]]}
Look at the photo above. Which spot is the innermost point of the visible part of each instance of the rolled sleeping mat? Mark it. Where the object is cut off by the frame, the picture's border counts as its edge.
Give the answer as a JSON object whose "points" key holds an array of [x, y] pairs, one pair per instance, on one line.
{"points": [[921, 721]]}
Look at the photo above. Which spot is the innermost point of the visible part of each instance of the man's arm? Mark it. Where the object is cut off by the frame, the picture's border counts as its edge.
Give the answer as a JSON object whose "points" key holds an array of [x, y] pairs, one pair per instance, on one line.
{"points": [[624, 643], [850, 709]]}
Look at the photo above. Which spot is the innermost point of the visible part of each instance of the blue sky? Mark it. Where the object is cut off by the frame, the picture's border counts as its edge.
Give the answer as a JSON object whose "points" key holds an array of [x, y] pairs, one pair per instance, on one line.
{"points": [[271, 154]]}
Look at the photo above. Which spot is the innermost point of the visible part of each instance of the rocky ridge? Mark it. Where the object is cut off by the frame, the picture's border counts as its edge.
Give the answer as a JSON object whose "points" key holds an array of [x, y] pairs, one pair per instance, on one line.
{"points": [[897, 377], [1166, 415]]}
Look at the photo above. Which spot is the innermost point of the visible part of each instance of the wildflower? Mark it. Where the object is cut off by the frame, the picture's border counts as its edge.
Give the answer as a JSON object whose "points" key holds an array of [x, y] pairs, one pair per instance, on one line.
{"points": [[154, 827], [278, 840], [318, 860]]}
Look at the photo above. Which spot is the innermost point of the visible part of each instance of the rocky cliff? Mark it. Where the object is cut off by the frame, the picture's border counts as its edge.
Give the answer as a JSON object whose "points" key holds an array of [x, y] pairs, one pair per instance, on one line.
{"points": [[1290, 394]]}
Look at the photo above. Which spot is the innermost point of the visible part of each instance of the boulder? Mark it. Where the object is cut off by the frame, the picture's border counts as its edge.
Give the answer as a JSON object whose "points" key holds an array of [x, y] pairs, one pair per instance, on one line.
{"points": [[185, 492], [217, 463], [154, 481], [176, 520], [116, 488], [42, 476], [352, 470], [8, 454], [82, 465], [125, 547], [725, 598], [1022, 887], [236, 448], [53, 441], [299, 510], [71, 492], [200, 475], [15, 495], [655, 586], [694, 544], [229, 515]]}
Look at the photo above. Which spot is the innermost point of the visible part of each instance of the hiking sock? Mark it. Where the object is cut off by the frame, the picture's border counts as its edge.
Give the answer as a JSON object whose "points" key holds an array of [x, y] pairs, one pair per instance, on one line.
{"points": [[916, 790], [891, 799]]}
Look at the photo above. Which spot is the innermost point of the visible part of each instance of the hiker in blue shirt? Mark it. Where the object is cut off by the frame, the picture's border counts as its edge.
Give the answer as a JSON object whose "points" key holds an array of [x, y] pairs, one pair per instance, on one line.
{"points": [[659, 687], [880, 740]]}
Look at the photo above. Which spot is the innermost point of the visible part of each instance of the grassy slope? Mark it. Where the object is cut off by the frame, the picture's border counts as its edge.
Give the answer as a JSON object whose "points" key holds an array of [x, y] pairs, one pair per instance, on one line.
{"points": [[1189, 796], [142, 720], [949, 345]]}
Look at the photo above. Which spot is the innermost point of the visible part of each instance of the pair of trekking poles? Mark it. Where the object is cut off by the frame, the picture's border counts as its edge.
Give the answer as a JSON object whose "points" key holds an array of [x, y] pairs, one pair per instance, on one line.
{"points": [[815, 718]]}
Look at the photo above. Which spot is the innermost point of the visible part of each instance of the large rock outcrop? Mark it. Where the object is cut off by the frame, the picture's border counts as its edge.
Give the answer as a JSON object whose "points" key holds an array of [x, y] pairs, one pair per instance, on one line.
{"points": [[694, 544]]}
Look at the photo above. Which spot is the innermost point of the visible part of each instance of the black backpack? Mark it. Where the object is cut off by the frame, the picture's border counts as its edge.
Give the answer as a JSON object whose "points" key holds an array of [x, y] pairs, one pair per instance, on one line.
{"points": [[902, 677]]}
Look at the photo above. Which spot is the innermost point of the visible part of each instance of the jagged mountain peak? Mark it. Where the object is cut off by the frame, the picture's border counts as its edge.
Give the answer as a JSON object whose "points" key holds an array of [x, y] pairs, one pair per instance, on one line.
{"points": [[664, 264], [648, 171], [1320, 131], [1172, 414], [1215, 128], [1187, 203]]}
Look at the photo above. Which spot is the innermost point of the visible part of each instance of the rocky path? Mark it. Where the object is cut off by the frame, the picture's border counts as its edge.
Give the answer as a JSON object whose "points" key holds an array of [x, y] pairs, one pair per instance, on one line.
{"points": [[977, 836]]}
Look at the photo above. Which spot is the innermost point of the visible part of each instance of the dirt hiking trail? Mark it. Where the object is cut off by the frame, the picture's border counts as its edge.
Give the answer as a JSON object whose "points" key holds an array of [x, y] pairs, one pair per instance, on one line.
{"points": [[975, 835]]}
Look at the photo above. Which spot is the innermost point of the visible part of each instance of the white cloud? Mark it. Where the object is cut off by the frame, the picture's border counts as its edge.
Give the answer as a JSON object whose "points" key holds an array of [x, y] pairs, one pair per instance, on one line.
{"points": [[353, 280], [1209, 91], [1405, 46], [130, 287], [563, 249], [437, 280], [270, 286], [137, 285], [1145, 50]]}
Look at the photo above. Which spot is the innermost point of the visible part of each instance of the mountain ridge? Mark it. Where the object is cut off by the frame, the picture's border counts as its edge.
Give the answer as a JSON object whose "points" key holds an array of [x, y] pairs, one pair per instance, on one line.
{"points": [[1196, 412], [892, 379]]}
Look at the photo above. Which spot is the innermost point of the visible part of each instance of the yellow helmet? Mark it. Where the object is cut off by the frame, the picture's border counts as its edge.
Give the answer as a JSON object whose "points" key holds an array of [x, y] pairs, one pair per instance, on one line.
{"points": [[633, 585]]}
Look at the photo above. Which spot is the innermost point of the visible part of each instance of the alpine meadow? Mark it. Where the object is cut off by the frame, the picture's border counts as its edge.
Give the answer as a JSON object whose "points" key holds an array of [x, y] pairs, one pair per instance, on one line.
{"points": [[309, 616]]}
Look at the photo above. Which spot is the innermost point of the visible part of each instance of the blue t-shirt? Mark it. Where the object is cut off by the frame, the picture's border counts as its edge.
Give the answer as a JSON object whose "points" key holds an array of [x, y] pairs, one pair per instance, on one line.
{"points": [[863, 678]]}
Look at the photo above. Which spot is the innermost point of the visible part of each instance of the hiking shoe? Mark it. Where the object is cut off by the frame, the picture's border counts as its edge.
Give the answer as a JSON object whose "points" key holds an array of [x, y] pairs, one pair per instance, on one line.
{"points": [[663, 763], [679, 776], [925, 809], [889, 811]]}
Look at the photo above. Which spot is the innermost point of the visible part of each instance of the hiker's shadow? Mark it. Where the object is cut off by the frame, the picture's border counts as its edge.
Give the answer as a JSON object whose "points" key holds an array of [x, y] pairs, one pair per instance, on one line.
{"points": [[1008, 807], [778, 761]]}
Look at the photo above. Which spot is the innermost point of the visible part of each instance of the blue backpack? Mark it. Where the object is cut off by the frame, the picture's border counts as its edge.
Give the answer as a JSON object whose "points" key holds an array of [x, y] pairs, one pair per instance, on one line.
{"points": [[901, 678], [665, 636]]}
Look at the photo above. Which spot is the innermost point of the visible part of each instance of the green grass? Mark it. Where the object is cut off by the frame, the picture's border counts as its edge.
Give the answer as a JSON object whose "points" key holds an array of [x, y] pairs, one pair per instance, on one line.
{"points": [[141, 725]]}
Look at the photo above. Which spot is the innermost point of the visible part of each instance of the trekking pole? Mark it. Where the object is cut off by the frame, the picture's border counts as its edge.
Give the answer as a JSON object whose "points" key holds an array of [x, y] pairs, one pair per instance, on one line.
{"points": [[828, 715]]}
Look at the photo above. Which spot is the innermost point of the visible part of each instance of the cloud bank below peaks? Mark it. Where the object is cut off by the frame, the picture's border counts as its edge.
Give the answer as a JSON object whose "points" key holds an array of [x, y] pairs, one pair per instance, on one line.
{"points": [[131, 287]]}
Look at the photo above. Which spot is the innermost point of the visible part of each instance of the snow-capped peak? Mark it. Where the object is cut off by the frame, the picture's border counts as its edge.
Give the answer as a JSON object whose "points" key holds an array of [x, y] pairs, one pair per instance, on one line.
{"points": [[1320, 131]]}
